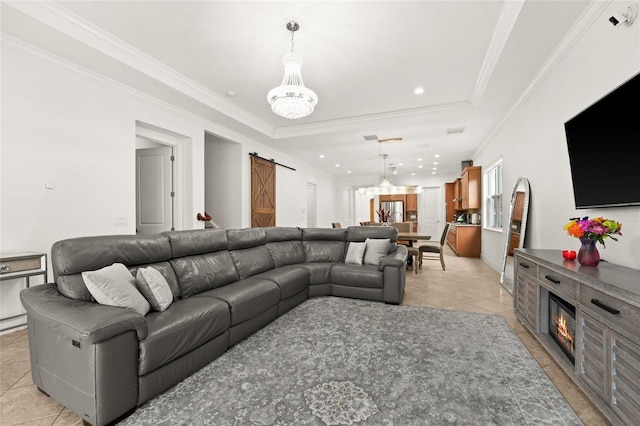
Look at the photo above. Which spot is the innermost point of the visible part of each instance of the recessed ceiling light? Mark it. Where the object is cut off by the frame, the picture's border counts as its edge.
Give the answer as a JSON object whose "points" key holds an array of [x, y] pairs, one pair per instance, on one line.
{"points": [[433, 173], [419, 159], [321, 155], [419, 166], [337, 165], [231, 94], [400, 164], [434, 168], [435, 163], [437, 155], [413, 173], [418, 91], [348, 171]]}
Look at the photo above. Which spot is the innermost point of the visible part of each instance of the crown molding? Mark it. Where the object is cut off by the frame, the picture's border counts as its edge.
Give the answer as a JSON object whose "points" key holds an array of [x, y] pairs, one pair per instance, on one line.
{"points": [[346, 123], [72, 25], [508, 17], [9, 42], [591, 13]]}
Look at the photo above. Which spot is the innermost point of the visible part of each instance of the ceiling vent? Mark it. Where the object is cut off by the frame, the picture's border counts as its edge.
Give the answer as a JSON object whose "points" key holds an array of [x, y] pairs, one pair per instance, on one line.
{"points": [[371, 138], [454, 130]]}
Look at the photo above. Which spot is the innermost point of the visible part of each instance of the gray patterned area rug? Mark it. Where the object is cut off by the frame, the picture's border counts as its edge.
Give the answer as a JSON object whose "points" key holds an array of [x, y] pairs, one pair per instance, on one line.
{"points": [[336, 361]]}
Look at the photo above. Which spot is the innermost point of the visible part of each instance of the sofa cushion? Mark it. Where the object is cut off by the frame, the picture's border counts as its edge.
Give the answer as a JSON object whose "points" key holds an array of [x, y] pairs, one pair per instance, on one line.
{"points": [[324, 251], [114, 285], [355, 253], [71, 257], [282, 233], [154, 287], [252, 261], [185, 326], [357, 275], [246, 298], [319, 273], [286, 252], [196, 241], [291, 279], [246, 238], [204, 272], [167, 272], [375, 250]]}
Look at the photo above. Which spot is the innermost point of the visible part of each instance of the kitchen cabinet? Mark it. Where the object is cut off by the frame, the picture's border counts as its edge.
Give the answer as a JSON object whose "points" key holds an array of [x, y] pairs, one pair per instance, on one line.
{"points": [[411, 203], [465, 240], [470, 187], [457, 194], [606, 299], [448, 201]]}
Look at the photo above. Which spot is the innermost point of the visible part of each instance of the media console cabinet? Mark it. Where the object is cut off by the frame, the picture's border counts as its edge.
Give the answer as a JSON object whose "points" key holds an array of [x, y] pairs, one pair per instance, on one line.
{"points": [[588, 319]]}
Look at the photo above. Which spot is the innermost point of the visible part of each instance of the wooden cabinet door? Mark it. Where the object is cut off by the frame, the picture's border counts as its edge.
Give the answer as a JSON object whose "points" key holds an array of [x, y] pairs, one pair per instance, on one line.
{"points": [[464, 189], [457, 192], [448, 201], [411, 204]]}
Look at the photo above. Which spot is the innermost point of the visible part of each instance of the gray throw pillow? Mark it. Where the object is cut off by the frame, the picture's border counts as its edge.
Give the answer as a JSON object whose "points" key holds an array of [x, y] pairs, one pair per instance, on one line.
{"points": [[355, 253], [375, 249], [115, 286], [154, 287]]}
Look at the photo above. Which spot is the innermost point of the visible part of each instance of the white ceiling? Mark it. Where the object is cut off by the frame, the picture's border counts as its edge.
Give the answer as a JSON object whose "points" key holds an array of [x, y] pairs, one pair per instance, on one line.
{"points": [[474, 59]]}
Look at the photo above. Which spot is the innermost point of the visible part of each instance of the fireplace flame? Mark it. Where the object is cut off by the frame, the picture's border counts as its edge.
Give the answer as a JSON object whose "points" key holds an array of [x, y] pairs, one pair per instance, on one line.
{"points": [[561, 327]]}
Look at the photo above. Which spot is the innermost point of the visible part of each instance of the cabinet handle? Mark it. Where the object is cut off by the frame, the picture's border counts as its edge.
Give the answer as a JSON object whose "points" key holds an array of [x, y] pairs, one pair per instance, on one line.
{"points": [[553, 280], [524, 265], [605, 307], [4, 268]]}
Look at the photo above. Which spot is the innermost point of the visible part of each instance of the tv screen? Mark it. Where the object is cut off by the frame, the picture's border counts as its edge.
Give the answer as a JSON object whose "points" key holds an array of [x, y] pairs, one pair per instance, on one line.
{"points": [[602, 141]]}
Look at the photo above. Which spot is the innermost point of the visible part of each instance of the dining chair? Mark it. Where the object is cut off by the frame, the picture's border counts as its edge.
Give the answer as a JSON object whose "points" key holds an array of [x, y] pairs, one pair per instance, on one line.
{"points": [[403, 227], [336, 225], [434, 251], [414, 254]]}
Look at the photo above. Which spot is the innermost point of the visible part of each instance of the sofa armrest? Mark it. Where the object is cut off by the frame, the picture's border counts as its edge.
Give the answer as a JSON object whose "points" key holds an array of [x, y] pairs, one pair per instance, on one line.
{"points": [[77, 319], [397, 258]]}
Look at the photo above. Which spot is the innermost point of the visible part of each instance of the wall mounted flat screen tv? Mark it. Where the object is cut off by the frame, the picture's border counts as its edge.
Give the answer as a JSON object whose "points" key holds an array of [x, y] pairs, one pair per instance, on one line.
{"points": [[602, 141]]}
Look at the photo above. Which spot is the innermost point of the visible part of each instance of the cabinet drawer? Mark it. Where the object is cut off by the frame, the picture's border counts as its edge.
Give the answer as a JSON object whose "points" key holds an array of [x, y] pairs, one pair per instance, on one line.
{"points": [[526, 267], [558, 282], [19, 265], [619, 313]]}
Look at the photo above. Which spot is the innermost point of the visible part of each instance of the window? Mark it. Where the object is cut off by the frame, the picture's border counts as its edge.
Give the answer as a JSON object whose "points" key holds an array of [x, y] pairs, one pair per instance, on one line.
{"points": [[493, 202]]}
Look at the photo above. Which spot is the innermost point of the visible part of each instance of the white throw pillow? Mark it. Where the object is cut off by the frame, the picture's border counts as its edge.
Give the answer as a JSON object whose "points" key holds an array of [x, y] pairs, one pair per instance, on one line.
{"points": [[355, 253], [115, 286], [375, 249], [154, 287]]}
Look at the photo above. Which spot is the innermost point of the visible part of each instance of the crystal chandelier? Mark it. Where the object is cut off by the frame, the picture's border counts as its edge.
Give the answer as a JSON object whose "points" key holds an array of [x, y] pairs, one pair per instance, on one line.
{"points": [[292, 99]]}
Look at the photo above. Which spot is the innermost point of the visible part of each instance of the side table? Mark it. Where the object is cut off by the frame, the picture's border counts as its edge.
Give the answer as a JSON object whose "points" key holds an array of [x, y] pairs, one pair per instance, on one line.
{"points": [[21, 265]]}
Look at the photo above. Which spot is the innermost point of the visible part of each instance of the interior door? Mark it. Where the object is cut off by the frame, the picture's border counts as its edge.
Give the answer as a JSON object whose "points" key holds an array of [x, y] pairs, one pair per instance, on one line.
{"points": [[263, 192], [154, 190], [430, 212]]}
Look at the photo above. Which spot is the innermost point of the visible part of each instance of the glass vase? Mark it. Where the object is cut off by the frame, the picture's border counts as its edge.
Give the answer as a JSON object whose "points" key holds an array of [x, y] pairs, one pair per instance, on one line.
{"points": [[588, 254]]}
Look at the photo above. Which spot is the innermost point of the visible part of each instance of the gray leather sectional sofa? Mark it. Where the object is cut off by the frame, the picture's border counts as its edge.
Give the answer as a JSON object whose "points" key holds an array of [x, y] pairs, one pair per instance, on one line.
{"points": [[101, 362]]}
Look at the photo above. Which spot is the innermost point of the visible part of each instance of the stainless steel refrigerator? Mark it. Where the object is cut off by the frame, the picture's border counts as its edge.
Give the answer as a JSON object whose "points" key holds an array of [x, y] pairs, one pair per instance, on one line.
{"points": [[395, 210]]}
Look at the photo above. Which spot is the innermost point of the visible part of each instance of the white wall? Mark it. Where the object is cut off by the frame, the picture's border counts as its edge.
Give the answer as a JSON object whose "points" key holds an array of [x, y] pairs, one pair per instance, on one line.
{"points": [[68, 126], [532, 142]]}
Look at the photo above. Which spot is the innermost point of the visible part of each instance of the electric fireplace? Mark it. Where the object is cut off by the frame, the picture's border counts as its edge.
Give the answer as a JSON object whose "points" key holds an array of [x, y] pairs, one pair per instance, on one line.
{"points": [[562, 324]]}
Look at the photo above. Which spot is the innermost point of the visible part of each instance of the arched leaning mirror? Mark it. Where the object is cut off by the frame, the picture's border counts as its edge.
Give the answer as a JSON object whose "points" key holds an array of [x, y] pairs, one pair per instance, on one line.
{"points": [[516, 229]]}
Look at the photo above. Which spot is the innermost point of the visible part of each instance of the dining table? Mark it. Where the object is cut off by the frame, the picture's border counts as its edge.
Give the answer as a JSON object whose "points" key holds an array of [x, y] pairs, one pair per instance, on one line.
{"points": [[412, 236]]}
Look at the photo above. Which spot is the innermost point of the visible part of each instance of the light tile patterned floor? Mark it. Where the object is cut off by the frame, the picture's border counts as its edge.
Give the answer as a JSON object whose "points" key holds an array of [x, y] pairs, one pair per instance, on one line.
{"points": [[466, 285]]}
